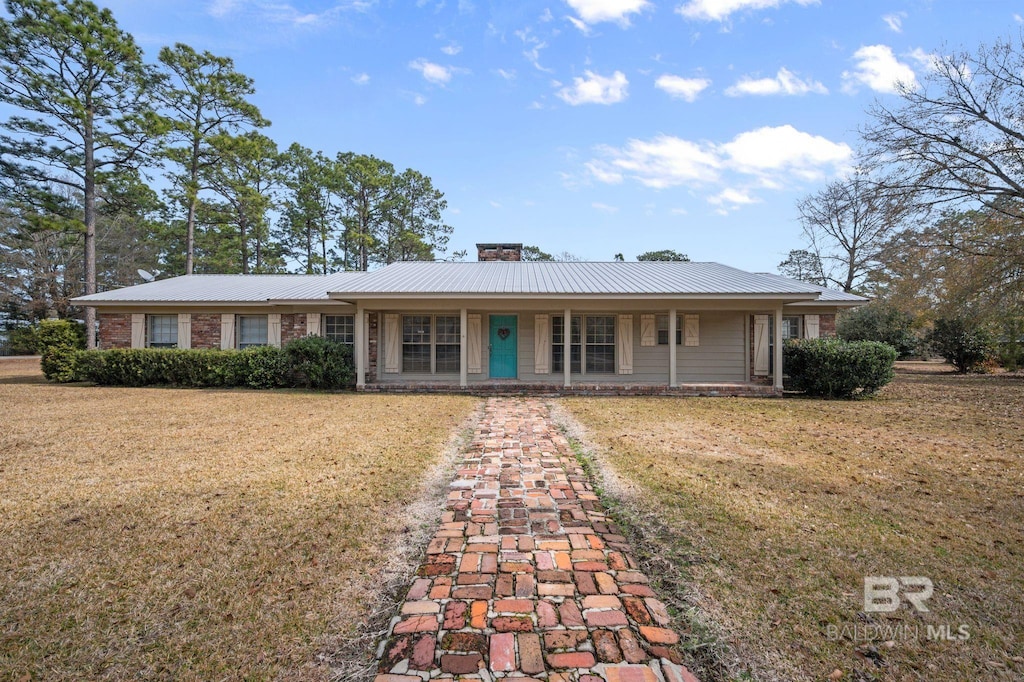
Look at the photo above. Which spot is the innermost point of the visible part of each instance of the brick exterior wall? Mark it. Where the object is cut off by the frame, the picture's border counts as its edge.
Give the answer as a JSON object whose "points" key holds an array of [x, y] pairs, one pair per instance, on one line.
{"points": [[205, 330], [499, 252], [115, 330], [293, 326], [826, 325]]}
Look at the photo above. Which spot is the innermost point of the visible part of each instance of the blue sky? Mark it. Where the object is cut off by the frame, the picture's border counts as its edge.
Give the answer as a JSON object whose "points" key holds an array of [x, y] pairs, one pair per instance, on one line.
{"points": [[589, 126]]}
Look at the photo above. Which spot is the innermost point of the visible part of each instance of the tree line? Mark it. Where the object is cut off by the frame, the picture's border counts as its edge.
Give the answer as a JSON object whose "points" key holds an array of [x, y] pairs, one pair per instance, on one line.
{"points": [[930, 222], [97, 129]]}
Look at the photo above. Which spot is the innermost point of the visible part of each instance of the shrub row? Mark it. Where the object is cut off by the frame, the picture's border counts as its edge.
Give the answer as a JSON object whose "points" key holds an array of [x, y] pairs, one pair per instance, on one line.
{"points": [[311, 362], [833, 368]]}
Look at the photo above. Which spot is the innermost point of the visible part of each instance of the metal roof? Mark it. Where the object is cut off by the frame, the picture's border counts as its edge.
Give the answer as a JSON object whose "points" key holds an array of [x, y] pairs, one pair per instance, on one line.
{"points": [[477, 278], [227, 289], [568, 278]]}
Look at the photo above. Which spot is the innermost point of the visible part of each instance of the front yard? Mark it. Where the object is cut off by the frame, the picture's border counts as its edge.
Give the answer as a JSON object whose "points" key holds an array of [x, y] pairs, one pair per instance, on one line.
{"points": [[775, 511], [180, 534]]}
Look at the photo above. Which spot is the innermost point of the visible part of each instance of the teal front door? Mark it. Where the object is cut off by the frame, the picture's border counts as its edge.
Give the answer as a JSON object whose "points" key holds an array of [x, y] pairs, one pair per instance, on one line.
{"points": [[504, 358]]}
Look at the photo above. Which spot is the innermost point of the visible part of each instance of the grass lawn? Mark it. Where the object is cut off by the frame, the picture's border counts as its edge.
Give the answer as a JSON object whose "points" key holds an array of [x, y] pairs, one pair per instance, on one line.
{"points": [[199, 534], [776, 510]]}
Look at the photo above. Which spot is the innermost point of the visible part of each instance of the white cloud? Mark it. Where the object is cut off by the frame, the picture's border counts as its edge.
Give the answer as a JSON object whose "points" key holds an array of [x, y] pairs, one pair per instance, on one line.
{"points": [[594, 88], [878, 68], [1018, 18], [596, 11], [580, 25], [507, 74], [434, 73], [770, 158], [419, 100], [926, 60], [605, 208], [784, 149], [719, 10], [785, 82], [494, 204], [533, 47], [220, 8], [679, 211], [283, 12], [452, 49], [681, 88], [895, 21], [361, 79]]}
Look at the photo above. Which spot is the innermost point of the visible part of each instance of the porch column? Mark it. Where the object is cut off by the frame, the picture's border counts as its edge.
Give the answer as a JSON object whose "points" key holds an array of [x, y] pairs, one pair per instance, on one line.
{"points": [[673, 367], [359, 347], [777, 340], [463, 350], [567, 347]]}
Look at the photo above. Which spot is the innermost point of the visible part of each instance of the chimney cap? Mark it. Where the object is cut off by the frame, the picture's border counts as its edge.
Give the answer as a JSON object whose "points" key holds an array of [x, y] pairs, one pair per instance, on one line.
{"points": [[503, 246]]}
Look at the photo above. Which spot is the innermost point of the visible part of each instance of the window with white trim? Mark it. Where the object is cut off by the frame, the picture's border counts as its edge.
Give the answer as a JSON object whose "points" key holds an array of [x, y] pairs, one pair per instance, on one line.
{"points": [[662, 322], [252, 330], [340, 328], [791, 327], [591, 345], [447, 343], [431, 344], [161, 331]]}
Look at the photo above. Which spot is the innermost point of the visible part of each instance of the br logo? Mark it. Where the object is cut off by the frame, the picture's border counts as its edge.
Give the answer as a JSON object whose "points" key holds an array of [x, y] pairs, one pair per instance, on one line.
{"points": [[882, 593]]}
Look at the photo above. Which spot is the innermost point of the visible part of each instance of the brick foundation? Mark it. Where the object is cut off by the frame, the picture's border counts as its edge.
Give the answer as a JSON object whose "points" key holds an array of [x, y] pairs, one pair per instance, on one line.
{"points": [[205, 330], [115, 330], [293, 326]]}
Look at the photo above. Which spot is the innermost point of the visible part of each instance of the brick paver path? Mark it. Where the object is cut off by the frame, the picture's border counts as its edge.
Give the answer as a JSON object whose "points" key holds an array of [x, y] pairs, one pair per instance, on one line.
{"points": [[526, 577]]}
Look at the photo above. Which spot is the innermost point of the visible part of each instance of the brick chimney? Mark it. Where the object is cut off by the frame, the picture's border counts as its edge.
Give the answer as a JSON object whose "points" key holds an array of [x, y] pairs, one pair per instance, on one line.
{"points": [[499, 252]]}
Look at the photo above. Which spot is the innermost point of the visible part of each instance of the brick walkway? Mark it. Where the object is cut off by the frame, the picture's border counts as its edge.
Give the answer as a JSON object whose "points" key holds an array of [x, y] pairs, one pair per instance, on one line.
{"points": [[526, 578]]}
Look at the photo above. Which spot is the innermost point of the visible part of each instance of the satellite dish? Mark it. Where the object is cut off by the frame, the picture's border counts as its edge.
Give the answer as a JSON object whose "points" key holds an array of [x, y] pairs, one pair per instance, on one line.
{"points": [[148, 276]]}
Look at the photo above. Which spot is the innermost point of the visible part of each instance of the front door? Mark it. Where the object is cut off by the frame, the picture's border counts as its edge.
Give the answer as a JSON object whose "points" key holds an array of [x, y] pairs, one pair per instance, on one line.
{"points": [[503, 347]]}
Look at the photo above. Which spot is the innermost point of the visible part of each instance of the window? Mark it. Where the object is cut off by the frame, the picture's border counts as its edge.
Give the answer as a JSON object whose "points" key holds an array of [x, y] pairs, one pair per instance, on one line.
{"points": [[339, 328], [558, 344], [791, 327], [600, 344], [416, 343], [446, 344], [663, 330], [252, 330], [597, 354], [163, 331]]}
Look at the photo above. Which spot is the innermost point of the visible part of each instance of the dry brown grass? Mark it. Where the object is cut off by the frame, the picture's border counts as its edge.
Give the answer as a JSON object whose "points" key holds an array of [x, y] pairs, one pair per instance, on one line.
{"points": [[786, 505], [181, 534]]}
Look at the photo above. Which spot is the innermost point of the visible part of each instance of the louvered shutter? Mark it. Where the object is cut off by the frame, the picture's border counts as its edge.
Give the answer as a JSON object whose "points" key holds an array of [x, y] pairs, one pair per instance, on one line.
{"points": [[184, 330], [691, 330], [648, 330], [312, 324], [227, 331], [761, 345], [625, 334], [474, 364], [811, 326], [392, 344], [138, 330], [542, 344]]}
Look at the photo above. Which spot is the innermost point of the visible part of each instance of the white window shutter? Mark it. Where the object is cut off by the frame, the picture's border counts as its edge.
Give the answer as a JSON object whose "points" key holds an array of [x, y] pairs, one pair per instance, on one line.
{"points": [[184, 330], [761, 345], [811, 326], [138, 330], [648, 330], [691, 330], [312, 324], [392, 344], [227, 331], [625, 334], [274, 330], [474, 363], [541, 344]]}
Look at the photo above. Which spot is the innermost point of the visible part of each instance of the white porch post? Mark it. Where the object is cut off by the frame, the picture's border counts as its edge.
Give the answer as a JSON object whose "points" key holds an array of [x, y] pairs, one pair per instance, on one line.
{"points": [[777, 340], [673, 366], [359, 347], [463, 350], [567, 347]]}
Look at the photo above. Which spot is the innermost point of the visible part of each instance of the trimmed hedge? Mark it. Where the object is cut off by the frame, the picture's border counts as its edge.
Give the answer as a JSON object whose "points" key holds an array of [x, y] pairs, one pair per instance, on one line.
{"points": [[258, 367], [320, 363], [833, 368]]}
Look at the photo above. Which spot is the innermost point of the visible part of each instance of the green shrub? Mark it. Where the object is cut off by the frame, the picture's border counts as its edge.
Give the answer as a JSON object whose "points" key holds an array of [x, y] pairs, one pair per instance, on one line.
{"points": [[834, 368], [963, 343], [62, 364], [23, 341], [880, 322], [258, 367], [58, 341], [316, 362]]}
